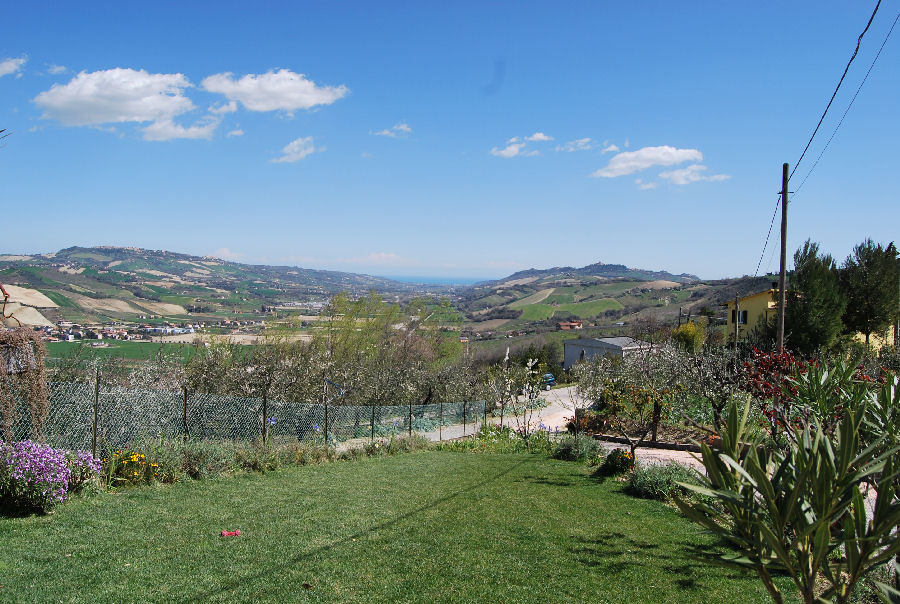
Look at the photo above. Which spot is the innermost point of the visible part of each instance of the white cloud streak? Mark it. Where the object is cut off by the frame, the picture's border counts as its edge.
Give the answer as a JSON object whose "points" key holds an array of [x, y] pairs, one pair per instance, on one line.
{"points": [[539, 137], [237, 132], [610, 149], [10, 66], [629, 162], [56, 69], [645, 185], [281, 90], [394, 131], [691, 174], [296, 150], [580, 144]]}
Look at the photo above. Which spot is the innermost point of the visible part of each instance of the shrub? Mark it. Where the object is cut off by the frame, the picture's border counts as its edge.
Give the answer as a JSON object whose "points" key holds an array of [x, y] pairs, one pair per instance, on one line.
{"points": [[618, 461], [84, 470], [569, 449], [128, 466], [33, 477], [659, 481], [589, 422], [257, 458], [204, 459]]}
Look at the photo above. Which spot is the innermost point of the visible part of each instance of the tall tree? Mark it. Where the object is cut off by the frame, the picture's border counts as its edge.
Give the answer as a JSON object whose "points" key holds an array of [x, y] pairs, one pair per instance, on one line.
{"points": [[869, 279], [815, 302]]}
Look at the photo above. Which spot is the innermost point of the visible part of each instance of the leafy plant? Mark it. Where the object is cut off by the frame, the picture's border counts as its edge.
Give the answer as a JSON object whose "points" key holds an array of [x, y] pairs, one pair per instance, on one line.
{"points": [[800, 510], [660, 481], [569, 449]]}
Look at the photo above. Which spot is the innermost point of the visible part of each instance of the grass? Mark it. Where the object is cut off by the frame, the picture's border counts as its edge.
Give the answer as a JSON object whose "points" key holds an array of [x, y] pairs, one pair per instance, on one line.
{"points": [[424, 527], [591, 309], [537, 312], [118, 348]]}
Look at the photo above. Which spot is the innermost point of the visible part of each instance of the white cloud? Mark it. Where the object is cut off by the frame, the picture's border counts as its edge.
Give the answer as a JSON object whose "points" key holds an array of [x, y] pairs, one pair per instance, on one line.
{"points": [[229, 107], [126, 95], [56, 69], [645, 185], [580, 144], [237, 132], [166, 129], [686, 176], [281, 90], [629, 162], [609, 149], [539, 137], [393, 131], [297, 150], [9, 66], [512, 149]]}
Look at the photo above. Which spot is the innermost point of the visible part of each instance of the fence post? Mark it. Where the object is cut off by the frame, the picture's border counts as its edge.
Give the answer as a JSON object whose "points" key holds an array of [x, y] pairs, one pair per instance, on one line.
{"points": [[184, 423], [441, 421], [464, 418], [410, 418], [325, 432], [372, 424], [96, 413], [265, 421]]}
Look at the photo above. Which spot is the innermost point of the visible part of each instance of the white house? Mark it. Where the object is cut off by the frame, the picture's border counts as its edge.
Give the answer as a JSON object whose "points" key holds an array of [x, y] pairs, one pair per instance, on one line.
{"points": [[583, 349]]}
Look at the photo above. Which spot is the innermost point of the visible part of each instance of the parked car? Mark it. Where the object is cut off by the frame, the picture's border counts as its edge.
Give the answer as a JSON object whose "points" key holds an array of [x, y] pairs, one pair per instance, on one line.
{"points": [[548, 380]]}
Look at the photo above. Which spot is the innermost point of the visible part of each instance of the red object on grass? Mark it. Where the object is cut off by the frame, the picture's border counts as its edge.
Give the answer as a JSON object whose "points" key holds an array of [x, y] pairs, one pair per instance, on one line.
{"points": [[236, 533]]}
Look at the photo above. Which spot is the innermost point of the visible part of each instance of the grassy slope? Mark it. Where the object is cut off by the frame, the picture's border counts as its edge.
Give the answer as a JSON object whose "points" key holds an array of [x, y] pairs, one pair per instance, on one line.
{"points": [[415, 528]]}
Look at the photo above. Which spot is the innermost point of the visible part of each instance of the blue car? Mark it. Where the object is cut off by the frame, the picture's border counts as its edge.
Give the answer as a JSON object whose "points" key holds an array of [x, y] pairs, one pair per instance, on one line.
{"points": [[548, 380]]}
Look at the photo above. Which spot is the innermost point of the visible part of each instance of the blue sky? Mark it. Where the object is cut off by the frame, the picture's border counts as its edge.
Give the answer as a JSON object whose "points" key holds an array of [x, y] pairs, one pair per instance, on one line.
{"points": [[462, 139]]}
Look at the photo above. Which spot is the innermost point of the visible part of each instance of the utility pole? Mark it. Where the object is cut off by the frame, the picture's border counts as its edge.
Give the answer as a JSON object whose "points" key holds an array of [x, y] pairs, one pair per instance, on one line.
{"points": [[781, 292]]}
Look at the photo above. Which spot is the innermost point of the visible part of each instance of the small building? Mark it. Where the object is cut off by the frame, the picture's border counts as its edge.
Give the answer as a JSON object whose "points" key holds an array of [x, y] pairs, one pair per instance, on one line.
{"points": [[569, 325], [584, 349]]}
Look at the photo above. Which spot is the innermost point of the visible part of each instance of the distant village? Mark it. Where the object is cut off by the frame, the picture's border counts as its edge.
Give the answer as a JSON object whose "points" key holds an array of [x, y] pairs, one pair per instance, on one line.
{"points": [[67, 331]]}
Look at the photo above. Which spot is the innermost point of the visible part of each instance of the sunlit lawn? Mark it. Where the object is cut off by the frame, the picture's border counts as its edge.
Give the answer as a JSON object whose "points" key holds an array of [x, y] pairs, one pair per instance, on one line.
{"points": [[422, 527]]}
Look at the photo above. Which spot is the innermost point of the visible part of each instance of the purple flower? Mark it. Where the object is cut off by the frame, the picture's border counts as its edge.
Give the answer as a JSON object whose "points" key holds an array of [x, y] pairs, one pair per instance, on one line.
{"points": [[33, 476], [271, 421]]}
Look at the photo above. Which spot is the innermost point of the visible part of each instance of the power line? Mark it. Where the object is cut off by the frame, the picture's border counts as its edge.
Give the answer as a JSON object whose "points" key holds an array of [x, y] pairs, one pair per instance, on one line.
{"points": [[838, 87], [841, 121], [769, 234], [819, 124]]}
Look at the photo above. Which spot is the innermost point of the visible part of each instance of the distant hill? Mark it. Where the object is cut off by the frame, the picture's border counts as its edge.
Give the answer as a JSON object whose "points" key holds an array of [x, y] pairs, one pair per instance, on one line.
{"points": [[90, 284], [599, 269], [599, 294]]}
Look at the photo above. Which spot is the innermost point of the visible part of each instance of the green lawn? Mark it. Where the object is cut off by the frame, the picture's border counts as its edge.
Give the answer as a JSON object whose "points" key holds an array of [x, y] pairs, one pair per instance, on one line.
{"points": [[117, 348], [422, 527]]}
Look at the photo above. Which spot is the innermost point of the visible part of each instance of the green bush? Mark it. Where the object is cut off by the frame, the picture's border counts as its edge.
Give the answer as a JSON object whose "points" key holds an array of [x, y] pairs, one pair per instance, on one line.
{"points": [[659, 481], [569, 449], [617, 461]]}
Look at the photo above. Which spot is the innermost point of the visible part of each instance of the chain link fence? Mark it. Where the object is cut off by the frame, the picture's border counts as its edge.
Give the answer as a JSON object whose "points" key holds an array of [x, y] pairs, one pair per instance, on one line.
{"points": [[84, 416]]}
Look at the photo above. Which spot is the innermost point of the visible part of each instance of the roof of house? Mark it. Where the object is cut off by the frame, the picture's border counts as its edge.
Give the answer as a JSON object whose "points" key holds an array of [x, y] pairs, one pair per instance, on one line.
{"points": [[769, 292], [622, 342]]}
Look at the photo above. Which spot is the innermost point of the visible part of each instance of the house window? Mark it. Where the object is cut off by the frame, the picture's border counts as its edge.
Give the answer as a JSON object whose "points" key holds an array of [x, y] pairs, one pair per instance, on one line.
{"points": [[742, 319]]}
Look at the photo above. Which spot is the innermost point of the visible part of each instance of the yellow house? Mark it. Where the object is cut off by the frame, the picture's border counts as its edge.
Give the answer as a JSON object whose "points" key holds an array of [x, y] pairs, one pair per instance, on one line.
{"points": [[749, 311], [764, 306]]}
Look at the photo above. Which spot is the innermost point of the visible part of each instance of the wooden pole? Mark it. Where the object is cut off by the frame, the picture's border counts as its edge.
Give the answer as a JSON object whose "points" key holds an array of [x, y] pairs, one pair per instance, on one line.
{"points": [[737, 319], [781, 275], [96, 413]]}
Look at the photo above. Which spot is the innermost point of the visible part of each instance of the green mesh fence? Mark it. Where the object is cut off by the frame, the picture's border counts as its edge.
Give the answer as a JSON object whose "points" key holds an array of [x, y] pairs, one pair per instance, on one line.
{"points": [[126, 415]]}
